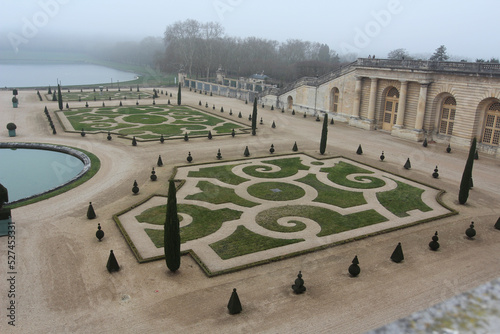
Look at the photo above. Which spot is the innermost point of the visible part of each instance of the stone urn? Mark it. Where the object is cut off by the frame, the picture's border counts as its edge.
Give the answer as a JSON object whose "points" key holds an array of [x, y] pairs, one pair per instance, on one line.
{"points": [[15, 102], [12, 129]]}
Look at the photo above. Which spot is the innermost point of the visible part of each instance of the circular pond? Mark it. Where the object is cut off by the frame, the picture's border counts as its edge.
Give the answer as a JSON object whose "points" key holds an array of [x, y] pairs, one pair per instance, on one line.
{"points": [[28, 170]]}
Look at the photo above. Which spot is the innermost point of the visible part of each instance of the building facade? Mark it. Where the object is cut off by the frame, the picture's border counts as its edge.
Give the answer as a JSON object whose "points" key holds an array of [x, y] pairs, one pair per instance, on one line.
{"points": [[449, 102]]}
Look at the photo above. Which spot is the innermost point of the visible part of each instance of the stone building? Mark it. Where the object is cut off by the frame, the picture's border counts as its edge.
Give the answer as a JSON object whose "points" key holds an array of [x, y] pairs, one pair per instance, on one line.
{"points": [[449, 102]]}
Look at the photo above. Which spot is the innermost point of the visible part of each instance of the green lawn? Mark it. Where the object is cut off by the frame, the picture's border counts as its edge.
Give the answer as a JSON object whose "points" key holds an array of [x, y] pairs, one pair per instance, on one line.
{"points": [[338, 174], [276, 191], [222, 173], [205, 221], [333, 196], [214, 194], [331, 222], [244, 241], [403, 199], [288, 167]]}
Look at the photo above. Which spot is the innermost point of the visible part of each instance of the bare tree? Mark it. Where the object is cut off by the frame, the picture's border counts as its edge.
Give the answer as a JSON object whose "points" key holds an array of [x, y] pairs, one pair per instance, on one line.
{"points": [[399, 54], [184, 36]]}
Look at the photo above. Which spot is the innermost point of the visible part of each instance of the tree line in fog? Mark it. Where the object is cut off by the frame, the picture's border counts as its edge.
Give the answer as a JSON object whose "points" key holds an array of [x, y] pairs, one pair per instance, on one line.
{"points": [[201, 48]]}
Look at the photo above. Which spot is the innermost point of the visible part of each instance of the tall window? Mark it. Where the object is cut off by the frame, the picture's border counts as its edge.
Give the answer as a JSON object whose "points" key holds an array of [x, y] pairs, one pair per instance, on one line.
{"points": [[335, 99], [491, 134], [390, 108], [448, 116], [290, 102]]}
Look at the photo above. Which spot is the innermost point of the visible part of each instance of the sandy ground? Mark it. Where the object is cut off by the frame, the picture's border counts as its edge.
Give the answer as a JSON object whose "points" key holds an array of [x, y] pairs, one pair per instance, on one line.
{"points": [[62, 284]]}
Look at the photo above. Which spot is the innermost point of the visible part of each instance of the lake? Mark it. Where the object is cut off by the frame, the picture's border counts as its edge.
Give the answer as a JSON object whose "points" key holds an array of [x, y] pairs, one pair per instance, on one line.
{"points": [[43, 75]]}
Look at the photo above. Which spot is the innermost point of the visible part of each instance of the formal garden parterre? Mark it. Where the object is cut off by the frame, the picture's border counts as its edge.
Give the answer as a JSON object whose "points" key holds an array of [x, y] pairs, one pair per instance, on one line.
{"points": [[236, 214], [148, 122]]}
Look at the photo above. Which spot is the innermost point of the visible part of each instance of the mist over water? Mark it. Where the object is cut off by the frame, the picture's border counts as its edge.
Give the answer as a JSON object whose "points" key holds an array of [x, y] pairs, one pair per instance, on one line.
{"points": [[43, 75]]}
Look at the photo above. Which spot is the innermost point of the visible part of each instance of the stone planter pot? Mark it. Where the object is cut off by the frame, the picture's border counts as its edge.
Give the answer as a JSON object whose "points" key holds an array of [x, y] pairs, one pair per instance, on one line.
{"points": [[14, 104], [12, 133]]}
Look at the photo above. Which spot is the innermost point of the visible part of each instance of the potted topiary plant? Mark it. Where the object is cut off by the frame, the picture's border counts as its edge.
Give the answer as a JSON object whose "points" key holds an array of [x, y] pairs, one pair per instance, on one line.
{"points": [[12, 129], [15, 102]]}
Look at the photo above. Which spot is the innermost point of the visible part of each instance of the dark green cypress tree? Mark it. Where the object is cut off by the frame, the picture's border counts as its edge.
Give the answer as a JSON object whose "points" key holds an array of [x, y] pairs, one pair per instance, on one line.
{"points": [[324, 135], [465, 184], [59, 97], [179, 95], [254, 116], [171, 235]]}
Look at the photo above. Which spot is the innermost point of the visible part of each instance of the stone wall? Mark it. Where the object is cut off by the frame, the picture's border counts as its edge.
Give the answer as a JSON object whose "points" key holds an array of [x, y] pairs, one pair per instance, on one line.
{"points": [[474, 87]]}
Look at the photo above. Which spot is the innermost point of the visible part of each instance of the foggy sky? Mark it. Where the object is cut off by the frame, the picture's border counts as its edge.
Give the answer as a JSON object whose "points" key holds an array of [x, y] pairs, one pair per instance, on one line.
{"points": [[366, 27]]}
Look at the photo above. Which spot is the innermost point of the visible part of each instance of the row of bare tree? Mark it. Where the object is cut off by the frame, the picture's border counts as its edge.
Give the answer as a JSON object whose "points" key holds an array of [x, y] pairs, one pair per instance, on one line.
{"points": [[201, 48]]}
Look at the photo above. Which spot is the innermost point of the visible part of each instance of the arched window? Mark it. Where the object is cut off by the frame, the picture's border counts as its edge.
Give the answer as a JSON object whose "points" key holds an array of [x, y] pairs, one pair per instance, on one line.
{"points": [[290, 102], [448, 116], [491, 133], [390, 108], [335, 99]]}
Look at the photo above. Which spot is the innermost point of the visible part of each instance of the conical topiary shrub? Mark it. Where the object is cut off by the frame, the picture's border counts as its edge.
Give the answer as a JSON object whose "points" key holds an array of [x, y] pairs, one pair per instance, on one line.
{"points": [[295, 148], [470, 232], [233, 133], [112, 264], [299, 287], [135, 188], [354, 268], [332, 122], [162, 139], [221, 109], [186, 138], [424, 144], [448, 149], [90, 212], [497, 224], [359, 150], [134, 141], [293, 112], [273, 125], [239, 115], [407, 164], [247, 152], [82, 133], [159, 163], [209, 134], [397, 256], [153, 176], [100, 233], [234, 304], [434, 244]]}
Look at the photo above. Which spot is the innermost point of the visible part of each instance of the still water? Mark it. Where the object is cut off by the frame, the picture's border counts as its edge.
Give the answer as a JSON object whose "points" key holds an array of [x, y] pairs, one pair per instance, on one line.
{"points": [[27, 172], [43, 75]]}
